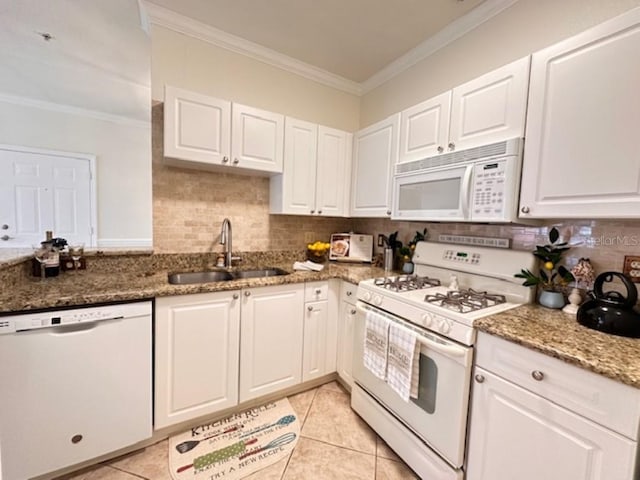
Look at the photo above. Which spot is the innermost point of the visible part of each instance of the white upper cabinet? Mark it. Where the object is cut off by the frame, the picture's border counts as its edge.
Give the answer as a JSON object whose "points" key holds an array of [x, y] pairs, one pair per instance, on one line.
{"points": [[207, 132], [581, 157], [487, 109], [316, 171], [375, 151]]}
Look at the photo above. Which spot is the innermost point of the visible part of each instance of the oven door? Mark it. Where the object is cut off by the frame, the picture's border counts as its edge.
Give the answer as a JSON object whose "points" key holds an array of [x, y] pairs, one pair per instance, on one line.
{"points": [[439, 415], [433, 195]]}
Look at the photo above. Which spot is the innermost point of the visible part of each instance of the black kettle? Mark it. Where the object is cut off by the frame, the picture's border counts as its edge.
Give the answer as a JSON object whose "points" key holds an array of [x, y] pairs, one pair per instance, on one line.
{"points": [[612, 312]]}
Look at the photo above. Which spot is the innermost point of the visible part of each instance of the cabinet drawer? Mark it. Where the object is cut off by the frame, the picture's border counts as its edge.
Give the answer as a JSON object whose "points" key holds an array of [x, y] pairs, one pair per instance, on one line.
{"points": [[348, 292], [605, 401], [314, 291]]}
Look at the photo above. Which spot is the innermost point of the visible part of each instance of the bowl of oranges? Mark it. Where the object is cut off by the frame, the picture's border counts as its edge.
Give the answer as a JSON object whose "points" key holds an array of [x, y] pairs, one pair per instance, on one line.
{"points": [[318, 251]]}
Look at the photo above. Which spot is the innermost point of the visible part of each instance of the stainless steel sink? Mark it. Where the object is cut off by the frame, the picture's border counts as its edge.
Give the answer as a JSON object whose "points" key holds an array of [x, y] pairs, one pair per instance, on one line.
{"points": [[265, 272], [222, 275], [199, 277]]}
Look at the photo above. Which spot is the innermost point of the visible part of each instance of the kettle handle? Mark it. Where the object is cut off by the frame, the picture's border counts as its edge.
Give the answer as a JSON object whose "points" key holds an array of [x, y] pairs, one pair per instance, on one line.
{"points": [[632, 292]]}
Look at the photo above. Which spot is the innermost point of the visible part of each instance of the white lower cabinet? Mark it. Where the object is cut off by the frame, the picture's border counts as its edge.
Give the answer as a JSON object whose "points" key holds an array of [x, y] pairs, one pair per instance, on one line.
{"points": [[517, 431], [271, 339], [345, 332], [197, 350], [320, 329]]}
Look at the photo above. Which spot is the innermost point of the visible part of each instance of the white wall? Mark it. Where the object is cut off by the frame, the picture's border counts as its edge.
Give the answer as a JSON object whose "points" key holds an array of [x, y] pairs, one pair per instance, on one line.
{"points": [[186, 62], [523, 28], [123, 152]]}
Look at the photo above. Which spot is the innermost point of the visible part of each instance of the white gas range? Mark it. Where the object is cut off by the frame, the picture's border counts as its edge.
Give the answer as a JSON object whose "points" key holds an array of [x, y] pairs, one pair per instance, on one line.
{"points": [[453, 285]]}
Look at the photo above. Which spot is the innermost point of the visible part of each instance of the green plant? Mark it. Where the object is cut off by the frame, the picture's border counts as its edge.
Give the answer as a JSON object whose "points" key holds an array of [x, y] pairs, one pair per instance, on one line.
{"points": [[553, 276]]}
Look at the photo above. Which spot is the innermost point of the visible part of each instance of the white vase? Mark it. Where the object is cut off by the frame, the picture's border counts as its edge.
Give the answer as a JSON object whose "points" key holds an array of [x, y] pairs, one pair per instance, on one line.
{"points": [[551, 299]]}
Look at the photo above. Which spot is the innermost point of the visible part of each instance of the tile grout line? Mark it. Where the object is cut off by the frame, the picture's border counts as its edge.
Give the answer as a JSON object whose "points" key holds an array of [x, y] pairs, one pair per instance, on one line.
{"points": [[128, 473]]}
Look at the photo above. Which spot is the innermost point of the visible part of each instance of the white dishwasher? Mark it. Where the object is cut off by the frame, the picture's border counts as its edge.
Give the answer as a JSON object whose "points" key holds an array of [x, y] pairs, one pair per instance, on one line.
{"points": [[75, 384]]}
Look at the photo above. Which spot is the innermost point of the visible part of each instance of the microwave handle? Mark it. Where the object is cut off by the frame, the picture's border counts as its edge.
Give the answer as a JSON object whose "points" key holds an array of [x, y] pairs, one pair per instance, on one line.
{"points": [[466, 190]]}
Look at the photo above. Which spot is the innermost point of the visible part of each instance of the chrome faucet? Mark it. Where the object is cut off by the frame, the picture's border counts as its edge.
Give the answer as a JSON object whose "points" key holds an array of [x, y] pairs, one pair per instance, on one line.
{"points": [[225, 239]]}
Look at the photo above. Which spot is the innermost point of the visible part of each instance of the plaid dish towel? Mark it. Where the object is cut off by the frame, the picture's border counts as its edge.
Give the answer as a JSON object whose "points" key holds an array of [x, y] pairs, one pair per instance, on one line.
{"points": [[376, 339], [403, 371]]}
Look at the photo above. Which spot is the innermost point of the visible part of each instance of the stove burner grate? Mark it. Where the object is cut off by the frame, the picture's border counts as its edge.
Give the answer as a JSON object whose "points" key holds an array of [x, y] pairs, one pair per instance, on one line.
{"points": [[405, 283], [465, 301]]}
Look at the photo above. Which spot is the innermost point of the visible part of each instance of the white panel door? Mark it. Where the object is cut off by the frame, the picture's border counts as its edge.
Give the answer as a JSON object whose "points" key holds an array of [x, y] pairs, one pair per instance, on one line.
{"points": [[424, 128], [490, 108], [516, 434], [299, 177], [197, 345], [332, 169], [271, 339], [582, 156], [316, 319], [257, 139], [375, 151], [42, 191], [196, 127]]}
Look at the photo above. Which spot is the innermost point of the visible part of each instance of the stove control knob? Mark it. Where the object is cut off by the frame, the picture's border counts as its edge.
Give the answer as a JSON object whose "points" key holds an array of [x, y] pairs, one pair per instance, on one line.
{"points": [[445, 327], [377, 300], [427, 318], [366, 296]]}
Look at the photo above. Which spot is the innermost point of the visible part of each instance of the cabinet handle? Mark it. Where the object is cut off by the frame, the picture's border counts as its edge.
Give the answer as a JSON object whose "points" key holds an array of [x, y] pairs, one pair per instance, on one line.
{"points": [[313, 211], [349, 293], [479, 378], [5, 237], [318, 291], [76, 438], [236, 296], [388, 212], [225, 159], [247, 293], [440, 149], [525, 210], [5, 227], [353, 311], [452, 146], [236, 161], [310, 308], [537, 375], [319, 212]]}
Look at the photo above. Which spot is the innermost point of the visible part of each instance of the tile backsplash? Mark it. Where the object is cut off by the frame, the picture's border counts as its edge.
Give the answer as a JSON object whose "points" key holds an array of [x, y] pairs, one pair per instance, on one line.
{"points": [[189, 206]]}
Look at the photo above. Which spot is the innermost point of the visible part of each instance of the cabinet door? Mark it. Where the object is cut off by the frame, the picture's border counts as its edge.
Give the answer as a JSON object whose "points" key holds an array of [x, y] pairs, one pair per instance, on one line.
{"points": [[424, 128], [581, 156], [197, 348], [294, 192], [375, 152], [490, 108], [516, 434], [332, 172], [196, 127], [316, 318], [345, 341], [257, 140], [271, 340]]}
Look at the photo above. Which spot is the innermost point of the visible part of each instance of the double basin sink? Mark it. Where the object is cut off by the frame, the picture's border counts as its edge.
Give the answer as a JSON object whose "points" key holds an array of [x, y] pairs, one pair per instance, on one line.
{"points": [[223, 275]]}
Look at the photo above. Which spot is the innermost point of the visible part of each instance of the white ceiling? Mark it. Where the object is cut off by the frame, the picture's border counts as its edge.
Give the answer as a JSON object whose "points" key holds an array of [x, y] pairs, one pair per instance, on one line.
{"points": [[353, 39]]}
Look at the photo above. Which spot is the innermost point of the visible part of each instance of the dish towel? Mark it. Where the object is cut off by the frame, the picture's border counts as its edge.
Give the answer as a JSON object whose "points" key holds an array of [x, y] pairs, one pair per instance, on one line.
{"points": [[376, 340], [403, 371]]}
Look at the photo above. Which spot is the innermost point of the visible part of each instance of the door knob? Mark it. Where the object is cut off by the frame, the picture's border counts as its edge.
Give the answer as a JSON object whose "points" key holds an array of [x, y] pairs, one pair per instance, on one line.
{"points": [[537, 375], [452, 146], [313, 211], [235, 296], [349, 293], [5, 227], [319, 212], [525, 210], [479, 378], [236, 161], [388, 212], [5, 237], [225, 159], [247, 293], [353, 311], [318, 291], [440, 149], [310, 308]]}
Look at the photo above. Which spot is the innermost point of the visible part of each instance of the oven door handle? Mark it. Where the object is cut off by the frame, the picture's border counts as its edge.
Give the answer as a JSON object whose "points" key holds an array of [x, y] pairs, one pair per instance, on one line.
{"points": [[449, 350]]}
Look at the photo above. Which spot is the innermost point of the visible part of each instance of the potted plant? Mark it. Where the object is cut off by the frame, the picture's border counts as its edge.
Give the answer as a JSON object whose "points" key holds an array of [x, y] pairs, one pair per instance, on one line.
{"points": [[553, 277]]}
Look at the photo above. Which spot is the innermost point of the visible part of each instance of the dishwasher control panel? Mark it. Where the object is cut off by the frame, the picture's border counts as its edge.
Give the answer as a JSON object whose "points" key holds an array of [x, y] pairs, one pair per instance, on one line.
{"points": [[31, 321]]}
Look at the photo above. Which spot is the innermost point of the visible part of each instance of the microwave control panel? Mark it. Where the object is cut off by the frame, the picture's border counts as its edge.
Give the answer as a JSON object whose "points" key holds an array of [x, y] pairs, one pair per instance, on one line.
{"points": [[489, 192]]}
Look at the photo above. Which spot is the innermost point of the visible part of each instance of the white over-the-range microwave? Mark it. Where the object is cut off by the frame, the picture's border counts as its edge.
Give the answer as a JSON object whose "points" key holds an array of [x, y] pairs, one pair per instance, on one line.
{"points": [[481, 184]]}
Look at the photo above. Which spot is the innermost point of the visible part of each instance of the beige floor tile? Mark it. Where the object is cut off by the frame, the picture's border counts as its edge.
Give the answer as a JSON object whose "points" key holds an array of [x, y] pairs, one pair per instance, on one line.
{"points": [[99, 472], [272, 472], [301, 402], [331, 420], [335, 386], [390, 470], [151, 462], [319, 461], [384, 451]]}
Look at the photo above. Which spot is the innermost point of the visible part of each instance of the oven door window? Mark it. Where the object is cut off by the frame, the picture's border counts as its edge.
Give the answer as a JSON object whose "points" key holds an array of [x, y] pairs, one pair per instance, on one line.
{"points": [[428, 385]]}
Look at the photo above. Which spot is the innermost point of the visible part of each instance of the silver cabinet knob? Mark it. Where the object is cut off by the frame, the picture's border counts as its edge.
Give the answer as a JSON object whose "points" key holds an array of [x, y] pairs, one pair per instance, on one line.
{"points": [[5, 227], [352, 311], [452, 146], [537, 375], [388, 212], [349, 293], [225, 159], [236, 161], [319, 212], [310, 308], [247, 293], [440, 149], [5, 237], [318, 291], [479, 378], [313, 211], [525, 210], [236, 296]]}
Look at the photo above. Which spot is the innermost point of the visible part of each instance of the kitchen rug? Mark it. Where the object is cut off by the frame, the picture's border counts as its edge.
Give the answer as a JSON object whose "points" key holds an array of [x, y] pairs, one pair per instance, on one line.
{"points": [[236, 446]]}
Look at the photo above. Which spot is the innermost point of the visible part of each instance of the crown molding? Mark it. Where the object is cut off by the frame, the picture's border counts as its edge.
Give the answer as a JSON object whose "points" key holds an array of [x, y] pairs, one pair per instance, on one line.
{"points": [[444, 37], [174, 21]]}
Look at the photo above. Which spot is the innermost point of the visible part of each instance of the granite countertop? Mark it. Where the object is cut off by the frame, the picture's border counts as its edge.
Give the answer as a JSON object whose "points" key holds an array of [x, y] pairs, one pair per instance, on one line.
{"points": [[84, 287], [559, 335]]}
